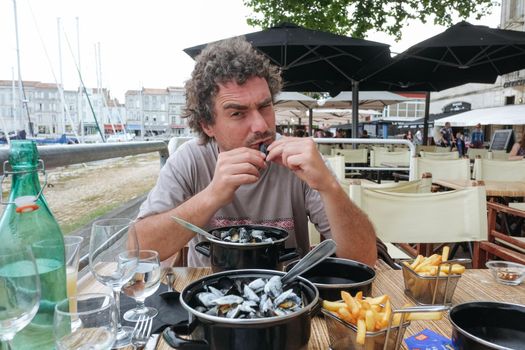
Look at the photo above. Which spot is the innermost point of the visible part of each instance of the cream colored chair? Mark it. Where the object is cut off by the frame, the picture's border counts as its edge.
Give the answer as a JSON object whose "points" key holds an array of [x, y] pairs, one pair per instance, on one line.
{"points": [[337, 164], [473, 153], [498, 155], [380, 149], [440, 149], [454, 169], [424, 185], [352, 155], [439, 155], [425, 148], [499, 170], [440, 217], [325, 149], [379, 159]]}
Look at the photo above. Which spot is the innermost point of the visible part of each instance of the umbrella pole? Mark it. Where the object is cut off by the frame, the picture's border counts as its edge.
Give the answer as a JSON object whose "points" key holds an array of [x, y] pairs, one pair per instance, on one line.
{"points": [[310, 121], [425, 123], [355, 110]]}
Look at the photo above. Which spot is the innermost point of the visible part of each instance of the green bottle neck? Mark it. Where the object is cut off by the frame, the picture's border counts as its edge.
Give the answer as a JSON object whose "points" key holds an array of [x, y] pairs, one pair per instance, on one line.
{"points": [[25, 183]]}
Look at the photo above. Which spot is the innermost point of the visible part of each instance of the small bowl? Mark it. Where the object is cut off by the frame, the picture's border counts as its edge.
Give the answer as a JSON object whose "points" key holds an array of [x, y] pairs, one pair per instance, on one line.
{"points": [[333, 275], [506, 272]]}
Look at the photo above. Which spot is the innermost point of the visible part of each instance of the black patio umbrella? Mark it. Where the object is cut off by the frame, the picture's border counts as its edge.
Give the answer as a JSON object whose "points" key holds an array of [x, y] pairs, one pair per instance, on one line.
{"points": [[313, 60], [464, 53]]}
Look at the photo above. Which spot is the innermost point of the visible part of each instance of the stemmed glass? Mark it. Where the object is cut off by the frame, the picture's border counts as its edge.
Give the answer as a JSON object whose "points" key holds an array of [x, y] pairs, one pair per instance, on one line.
{"points": [[144, 283], [91, 325], [113, 259], [19, 292]]}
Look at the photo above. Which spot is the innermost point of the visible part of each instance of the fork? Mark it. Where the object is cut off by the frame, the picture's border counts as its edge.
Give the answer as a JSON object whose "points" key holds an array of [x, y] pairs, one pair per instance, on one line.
{"points": [[142, 332]]}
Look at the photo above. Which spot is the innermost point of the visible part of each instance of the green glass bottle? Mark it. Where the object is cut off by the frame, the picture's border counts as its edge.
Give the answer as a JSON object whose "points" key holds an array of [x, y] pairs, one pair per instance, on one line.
{"points": [[28, 220]]}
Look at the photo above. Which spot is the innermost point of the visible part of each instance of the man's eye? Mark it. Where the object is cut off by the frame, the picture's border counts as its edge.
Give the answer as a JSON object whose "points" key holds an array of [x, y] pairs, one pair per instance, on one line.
{"points": [[237, 114]]}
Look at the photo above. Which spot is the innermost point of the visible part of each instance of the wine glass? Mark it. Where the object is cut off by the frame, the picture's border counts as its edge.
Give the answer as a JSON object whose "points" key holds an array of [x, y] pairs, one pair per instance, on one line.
{"points": [[144, 283], [19, 292], [113, 258], [91, 325]]}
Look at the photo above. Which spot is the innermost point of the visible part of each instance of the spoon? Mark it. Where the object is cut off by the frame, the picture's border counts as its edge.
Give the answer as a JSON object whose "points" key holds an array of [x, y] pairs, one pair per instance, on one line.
{"points": [[194, 228], [314, 257]]}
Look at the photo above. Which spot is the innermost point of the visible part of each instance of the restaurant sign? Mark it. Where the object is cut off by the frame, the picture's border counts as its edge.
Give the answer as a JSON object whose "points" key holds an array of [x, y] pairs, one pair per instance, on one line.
{"points": [[456, 107], [519, 82]]}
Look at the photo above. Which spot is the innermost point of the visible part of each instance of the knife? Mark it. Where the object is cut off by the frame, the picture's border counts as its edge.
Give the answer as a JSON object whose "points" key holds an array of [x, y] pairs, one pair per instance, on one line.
{"points": [[152, 342]]}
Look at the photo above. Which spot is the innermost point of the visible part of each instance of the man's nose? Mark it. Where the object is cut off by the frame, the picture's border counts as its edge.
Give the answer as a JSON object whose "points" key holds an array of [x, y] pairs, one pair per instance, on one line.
{"points": [[259, 123]]}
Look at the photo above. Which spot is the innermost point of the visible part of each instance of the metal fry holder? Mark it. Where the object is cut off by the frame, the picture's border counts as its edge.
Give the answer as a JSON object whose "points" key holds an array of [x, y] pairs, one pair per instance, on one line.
{"points": [[429, 290], [402, 325], [343, 334]]}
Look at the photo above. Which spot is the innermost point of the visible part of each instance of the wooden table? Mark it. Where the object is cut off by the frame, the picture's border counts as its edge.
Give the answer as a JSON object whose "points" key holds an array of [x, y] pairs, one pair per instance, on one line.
{"points": [[493, 188], [474, 285]]}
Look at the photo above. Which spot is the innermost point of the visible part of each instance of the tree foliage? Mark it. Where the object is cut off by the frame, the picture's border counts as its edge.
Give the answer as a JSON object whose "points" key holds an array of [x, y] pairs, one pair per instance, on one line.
{"points": [[357, 17]]}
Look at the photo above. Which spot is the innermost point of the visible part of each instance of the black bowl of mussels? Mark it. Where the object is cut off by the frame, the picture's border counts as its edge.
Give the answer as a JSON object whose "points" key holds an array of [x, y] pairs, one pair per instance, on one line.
{"points": [[247, 247], [333, 275], [246, 309]]}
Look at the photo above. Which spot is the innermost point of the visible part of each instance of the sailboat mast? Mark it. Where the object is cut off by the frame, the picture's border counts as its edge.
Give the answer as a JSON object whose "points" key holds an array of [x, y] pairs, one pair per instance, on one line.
{"points": [[62, 126], [80, 110], [21, 94]]}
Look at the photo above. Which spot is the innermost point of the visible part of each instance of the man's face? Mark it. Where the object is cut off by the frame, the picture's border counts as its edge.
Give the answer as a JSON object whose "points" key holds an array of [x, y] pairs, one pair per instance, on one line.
{"points": [[243, 115], [447, 125]]}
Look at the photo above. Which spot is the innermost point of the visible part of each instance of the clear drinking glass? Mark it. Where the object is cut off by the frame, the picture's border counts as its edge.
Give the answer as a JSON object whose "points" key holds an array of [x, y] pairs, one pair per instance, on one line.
{"points": [[113, 259], [144, 283], [19, 292], [72, 250], [91, 326]]}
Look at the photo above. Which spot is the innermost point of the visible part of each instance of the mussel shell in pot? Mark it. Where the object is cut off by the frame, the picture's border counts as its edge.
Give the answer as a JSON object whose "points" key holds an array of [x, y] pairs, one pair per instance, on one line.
{"points": [[290, 331]]}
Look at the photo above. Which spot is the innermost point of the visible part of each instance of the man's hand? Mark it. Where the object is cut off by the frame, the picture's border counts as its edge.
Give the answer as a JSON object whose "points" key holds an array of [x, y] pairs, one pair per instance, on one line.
{"points": [[235, 168], [302, 157]]}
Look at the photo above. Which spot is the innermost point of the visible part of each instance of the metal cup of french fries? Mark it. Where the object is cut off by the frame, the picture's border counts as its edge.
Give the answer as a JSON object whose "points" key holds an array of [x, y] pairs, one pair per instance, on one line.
{"points": [[433, 280], [371, 323]]}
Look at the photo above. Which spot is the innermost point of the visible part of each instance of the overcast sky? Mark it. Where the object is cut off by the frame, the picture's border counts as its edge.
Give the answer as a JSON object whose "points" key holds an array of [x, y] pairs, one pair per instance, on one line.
{"points": [[141, 40]]}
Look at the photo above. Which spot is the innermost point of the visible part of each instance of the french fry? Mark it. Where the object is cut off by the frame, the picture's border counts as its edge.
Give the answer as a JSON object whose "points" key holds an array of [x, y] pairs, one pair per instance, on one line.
{"points": [[370, 320], [377, 300], [361, 332], [333, 305], [425, 316], [444, 253], [416, 262], [346, 315]]}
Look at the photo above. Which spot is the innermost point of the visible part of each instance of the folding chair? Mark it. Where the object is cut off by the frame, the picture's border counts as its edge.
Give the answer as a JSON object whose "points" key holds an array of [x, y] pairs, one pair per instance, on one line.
{"points": [[499, 170]]}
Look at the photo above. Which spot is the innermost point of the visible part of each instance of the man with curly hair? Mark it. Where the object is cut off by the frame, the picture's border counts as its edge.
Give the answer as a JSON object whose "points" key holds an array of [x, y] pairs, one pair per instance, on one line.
{"points": [[223, 178]]}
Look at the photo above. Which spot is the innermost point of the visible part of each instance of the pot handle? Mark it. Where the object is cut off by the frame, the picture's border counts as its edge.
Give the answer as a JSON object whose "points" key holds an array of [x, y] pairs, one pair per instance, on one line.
{"points": [[203, 248], [171, 336], [287, 254]]}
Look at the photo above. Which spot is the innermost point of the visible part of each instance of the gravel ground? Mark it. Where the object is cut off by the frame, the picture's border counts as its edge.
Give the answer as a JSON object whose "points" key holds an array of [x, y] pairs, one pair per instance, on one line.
{"points": [[78, 193]]}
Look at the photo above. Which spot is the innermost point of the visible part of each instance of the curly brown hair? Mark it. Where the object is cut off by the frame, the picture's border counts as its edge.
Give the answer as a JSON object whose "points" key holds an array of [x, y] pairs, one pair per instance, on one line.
{"points": [[221, 62]]}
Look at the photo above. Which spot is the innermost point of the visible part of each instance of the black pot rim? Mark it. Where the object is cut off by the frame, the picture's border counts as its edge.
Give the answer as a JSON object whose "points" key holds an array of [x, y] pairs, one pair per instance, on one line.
{"points": [[249, 245], [344, 285], [244, 321], [470, 336]]}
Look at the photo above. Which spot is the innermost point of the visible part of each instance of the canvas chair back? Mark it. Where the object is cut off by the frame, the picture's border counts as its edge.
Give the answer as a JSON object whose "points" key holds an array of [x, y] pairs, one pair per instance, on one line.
{"points": [[325, 149], [499, 170], [452, 216], [352, 155], [453, 169], [440, 149], [424, 185], [498, 155], [380, 149], [337, 165], [425, 148], [439, 155], [473, 153], [379, 158]]}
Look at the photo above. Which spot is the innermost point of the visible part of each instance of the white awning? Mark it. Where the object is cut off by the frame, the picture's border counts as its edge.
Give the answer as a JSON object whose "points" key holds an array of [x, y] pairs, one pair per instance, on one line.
{"points": [[505, 115]]}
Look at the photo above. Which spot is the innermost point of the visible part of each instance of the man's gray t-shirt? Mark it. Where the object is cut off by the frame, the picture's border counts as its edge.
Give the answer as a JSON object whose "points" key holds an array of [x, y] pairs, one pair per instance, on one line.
{"points": [[278, 198]]}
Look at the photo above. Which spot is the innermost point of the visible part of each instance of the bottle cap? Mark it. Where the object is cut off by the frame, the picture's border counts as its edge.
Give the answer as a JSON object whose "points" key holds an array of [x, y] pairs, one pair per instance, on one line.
{"points": [[25, 204]]}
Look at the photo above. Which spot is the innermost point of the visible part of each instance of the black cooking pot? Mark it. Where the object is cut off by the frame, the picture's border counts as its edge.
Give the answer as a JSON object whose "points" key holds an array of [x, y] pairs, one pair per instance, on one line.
{"points": [[281, 332], [334, 275], [234, 256], [488, 325]]}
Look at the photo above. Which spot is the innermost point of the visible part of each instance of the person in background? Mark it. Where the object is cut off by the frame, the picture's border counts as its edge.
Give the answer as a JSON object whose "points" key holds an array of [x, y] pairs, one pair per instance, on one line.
{"points": [[460, 144], [477, 138], [418, 140], [518, 149], [409, 136], [224, 178], [318, 133], [447, 136], [364, 135]]}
